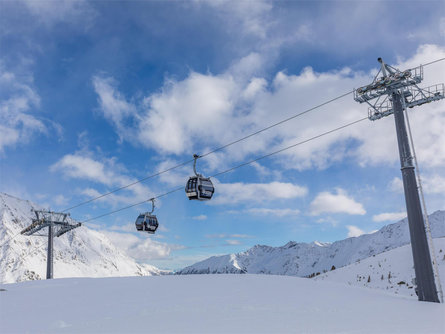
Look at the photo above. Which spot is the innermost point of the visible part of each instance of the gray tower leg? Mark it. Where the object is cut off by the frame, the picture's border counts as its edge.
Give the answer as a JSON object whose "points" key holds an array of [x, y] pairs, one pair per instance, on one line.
{"points": [[423, 268], [49, 261]]}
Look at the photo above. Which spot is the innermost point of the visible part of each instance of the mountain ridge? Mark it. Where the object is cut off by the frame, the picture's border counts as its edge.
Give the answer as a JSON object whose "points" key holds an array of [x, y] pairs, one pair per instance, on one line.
{"points": [[305, 259]]}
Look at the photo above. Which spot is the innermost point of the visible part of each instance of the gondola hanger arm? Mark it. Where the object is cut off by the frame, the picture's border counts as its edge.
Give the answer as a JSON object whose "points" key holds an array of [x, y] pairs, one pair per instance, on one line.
{"points": [[152, 205], [196, 157]]}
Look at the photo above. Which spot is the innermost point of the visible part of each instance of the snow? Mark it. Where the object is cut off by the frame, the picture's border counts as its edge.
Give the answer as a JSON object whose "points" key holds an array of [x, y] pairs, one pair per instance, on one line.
{"points": [[305, 259], [210, 304], [79, 253], [392, 271], [337, 301]]}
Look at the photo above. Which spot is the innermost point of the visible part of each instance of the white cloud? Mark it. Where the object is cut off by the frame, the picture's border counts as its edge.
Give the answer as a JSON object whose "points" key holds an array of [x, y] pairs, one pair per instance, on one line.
{"points": [[123, 228], [354, 231], [60, 200], [233, 193], [233, 242], [274, 212], [434, 184], [140, 248], [396, 185], [247, 17], [77, 12], [216, 109], [84, 165], [201, 106], [389, 216], [339, 202], [200, 217], [17, 102], [327, 220], [225, 235], [113, 105]]}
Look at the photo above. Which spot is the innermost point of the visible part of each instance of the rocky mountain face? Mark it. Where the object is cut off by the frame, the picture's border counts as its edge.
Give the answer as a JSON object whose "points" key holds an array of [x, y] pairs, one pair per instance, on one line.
{"points": [[306, 259], [81, 252]]}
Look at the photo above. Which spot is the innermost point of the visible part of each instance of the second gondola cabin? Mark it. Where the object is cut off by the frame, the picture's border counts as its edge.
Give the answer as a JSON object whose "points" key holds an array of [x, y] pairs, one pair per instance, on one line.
{"points": [[199, 188], [146, 222]]}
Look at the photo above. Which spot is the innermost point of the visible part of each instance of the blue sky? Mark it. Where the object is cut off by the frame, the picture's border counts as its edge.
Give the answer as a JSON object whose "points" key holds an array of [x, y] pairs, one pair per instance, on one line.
{"points": [[97, 94]]}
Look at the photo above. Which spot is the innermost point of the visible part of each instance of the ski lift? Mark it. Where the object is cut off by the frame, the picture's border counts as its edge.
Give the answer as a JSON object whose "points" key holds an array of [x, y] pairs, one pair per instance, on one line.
{"points": [[199, 187], [147, 222]]}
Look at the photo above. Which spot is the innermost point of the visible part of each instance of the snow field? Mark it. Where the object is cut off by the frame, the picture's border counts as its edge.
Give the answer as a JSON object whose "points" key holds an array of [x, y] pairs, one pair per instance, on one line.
{"points": [[210, 304]]}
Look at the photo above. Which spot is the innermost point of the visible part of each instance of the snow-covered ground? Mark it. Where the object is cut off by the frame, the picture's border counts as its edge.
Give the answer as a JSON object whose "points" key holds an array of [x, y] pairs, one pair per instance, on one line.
{"points": [[210, 304]]}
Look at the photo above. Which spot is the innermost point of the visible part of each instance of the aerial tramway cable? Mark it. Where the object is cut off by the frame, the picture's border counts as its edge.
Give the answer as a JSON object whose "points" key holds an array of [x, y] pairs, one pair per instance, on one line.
{"points": [[206, 154], [210, 152], [236, 167], [224, 146]]}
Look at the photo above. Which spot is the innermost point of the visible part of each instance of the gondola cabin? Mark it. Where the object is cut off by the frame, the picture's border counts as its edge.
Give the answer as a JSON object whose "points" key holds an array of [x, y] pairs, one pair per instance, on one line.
{"points": [[146, 222], [199, 188]]}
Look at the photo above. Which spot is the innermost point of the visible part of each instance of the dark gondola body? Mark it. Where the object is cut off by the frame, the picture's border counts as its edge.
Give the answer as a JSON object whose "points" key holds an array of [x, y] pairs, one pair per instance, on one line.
{"points": [[147, 222], [199, 188]]}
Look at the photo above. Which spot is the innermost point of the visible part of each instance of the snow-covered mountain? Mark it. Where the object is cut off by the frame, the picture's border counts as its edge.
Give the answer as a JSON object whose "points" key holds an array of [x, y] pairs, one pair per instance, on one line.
{"points": [[392, 271], [306, 259], [79, 253]]}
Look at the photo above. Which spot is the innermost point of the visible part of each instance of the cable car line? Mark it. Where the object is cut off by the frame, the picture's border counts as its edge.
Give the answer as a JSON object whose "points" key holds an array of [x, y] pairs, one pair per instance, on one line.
{"points": [[276, 124], [133, 205], [226, 145], [233, 168], [434, 61], [291, 146], [217, 174], [210, 152], [129, 185]]}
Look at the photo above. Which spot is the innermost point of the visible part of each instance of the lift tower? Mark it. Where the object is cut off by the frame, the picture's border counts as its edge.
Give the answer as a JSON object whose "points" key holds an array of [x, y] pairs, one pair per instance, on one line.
{"points": [[390, 94], [57, 225]]}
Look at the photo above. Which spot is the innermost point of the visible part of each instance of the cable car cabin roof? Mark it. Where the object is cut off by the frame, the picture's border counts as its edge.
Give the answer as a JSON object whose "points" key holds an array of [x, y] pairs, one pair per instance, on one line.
{"points": [[199, 188], [147, 223]]}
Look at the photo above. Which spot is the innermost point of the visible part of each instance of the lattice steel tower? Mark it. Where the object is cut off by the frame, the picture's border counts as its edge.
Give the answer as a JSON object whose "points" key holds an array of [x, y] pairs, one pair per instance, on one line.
{"points": [[57, 225], [392, 93]]}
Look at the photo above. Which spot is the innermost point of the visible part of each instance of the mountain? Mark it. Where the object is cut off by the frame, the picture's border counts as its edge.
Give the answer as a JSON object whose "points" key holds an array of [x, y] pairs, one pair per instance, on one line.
{"points": [[391, 271], [80, 252], [306, 259]]}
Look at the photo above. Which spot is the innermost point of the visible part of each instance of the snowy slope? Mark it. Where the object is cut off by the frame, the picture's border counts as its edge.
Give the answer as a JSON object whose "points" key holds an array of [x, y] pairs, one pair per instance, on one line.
{"points": [[304, 259], [210, 304], [392, 270], [82, 252]]}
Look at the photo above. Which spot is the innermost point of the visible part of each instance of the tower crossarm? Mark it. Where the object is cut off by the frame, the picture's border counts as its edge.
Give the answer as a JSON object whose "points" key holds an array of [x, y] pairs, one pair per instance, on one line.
{"points": [[390, 81], [66, 228], [36, 226], [414, 96]]}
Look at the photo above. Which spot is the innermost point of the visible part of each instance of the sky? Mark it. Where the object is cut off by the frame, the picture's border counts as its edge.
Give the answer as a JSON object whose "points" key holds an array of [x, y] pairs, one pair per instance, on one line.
{"points": [[95, 95]]}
